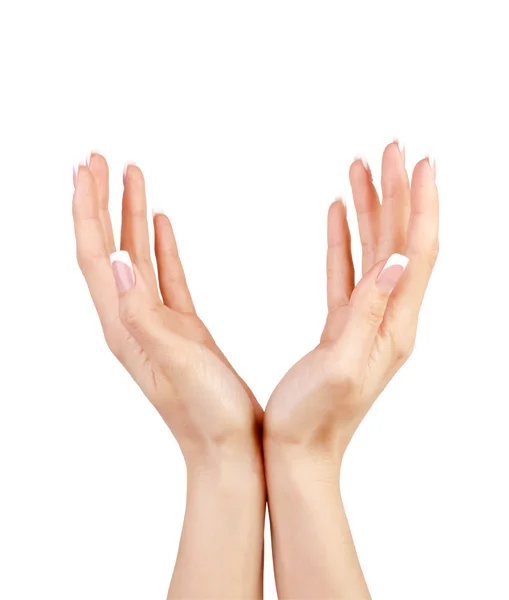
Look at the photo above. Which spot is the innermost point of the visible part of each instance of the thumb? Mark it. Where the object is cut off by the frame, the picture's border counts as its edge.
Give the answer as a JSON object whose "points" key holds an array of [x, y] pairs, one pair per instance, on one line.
{"points": [[138, 311], [369, 301]]}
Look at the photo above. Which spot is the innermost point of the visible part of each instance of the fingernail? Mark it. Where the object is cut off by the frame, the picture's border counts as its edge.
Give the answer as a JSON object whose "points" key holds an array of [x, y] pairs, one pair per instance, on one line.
{"points": [[126, 166], [90, 154], [365, 164], [87, 159], [401, 148], [122, 270], [76, 169], [363, 161], [391, 273], [432, 165], [342, 200], [157, 211], [75, 174]]}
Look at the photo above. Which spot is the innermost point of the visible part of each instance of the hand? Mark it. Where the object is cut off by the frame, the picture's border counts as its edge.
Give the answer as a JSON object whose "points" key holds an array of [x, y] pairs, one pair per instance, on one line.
{"points": [[162, 343], [370, 328]]}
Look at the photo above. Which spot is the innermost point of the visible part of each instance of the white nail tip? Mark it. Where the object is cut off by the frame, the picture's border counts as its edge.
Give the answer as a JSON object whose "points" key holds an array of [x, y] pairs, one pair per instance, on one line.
{"points": [[431, 159], [341, 199], [127, 164], [401, 144], [121, 256], [363, 161], [396, 259], [157, 211]]}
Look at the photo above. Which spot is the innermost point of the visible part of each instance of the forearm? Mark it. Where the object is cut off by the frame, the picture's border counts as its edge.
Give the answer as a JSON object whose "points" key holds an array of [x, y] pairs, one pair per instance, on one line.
{"points": [[314, 554], [221, 548]]}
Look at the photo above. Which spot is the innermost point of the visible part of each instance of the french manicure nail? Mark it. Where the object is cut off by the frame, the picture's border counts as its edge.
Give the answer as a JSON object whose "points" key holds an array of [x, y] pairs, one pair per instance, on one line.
{"points": [[90, 154], [122, 270], [391, 273], [432, 165], [365, 164], [126, 166], [401, 144], [157, 211], [401, 147], [342, 200], [75, 173], [363, 161]]}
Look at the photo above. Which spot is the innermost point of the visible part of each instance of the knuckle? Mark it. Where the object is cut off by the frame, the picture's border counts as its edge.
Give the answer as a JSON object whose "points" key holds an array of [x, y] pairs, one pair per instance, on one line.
{"points": [[433, 255], [113, 344], [367, 246], [87, 260], [145, 263], [403, 351], [340, 375], [376, 309], [83, 260], [174, 279], [129, 316], [403, 346], [115, 340]]}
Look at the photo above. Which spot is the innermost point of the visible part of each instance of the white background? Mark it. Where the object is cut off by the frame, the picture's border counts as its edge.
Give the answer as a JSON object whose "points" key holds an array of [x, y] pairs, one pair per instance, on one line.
{"points": [[245, 117]]}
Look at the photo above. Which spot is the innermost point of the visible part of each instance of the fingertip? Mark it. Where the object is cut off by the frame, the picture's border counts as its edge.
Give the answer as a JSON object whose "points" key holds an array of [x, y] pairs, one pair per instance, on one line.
{"points": [[424, 172], [337, 210], [359, 170], [75, 174], [132, 173], [394, 154], [97, 163], [400, 143], [339, 203], [432, 165], [82, 176], [157, 211]]}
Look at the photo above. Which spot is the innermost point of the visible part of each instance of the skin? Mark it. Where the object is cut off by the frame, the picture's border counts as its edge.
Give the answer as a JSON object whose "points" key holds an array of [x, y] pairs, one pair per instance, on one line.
{"points": [[313, 413], [316, 408], [154, 331]]}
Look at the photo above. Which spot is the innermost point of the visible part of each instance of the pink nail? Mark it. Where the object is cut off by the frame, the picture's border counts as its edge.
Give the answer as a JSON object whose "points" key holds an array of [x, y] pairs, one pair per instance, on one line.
{"points": [[122, 270], [391, 273]]}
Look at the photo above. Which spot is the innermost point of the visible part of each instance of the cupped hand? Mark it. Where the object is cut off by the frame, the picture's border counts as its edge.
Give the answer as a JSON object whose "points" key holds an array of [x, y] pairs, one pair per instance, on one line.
{"points": [[370, 328], [150, 322]]}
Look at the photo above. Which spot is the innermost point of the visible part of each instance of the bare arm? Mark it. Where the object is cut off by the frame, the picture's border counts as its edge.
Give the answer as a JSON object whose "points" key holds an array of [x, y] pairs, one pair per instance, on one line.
{"points": [[314, 554], [151, 326], [221, 548], [316, 408]]}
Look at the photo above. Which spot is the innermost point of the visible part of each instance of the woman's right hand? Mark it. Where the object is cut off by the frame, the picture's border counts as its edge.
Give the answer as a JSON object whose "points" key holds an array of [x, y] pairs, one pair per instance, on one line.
{"points": [[370, 328], [162, 343], [314, 411]]}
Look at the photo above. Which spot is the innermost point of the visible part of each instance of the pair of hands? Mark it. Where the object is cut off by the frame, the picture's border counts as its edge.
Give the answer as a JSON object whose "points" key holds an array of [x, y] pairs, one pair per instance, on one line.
{"points": [[151, 325]]}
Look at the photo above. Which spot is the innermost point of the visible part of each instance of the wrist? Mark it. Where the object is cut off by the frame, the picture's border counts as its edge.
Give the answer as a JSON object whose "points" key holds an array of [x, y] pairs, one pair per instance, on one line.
{"points": [[228, 468], [302, 462]]}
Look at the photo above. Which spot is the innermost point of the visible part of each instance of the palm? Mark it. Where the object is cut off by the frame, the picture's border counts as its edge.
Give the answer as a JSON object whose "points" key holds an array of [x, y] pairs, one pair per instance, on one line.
{"points": [[200, 349]]}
